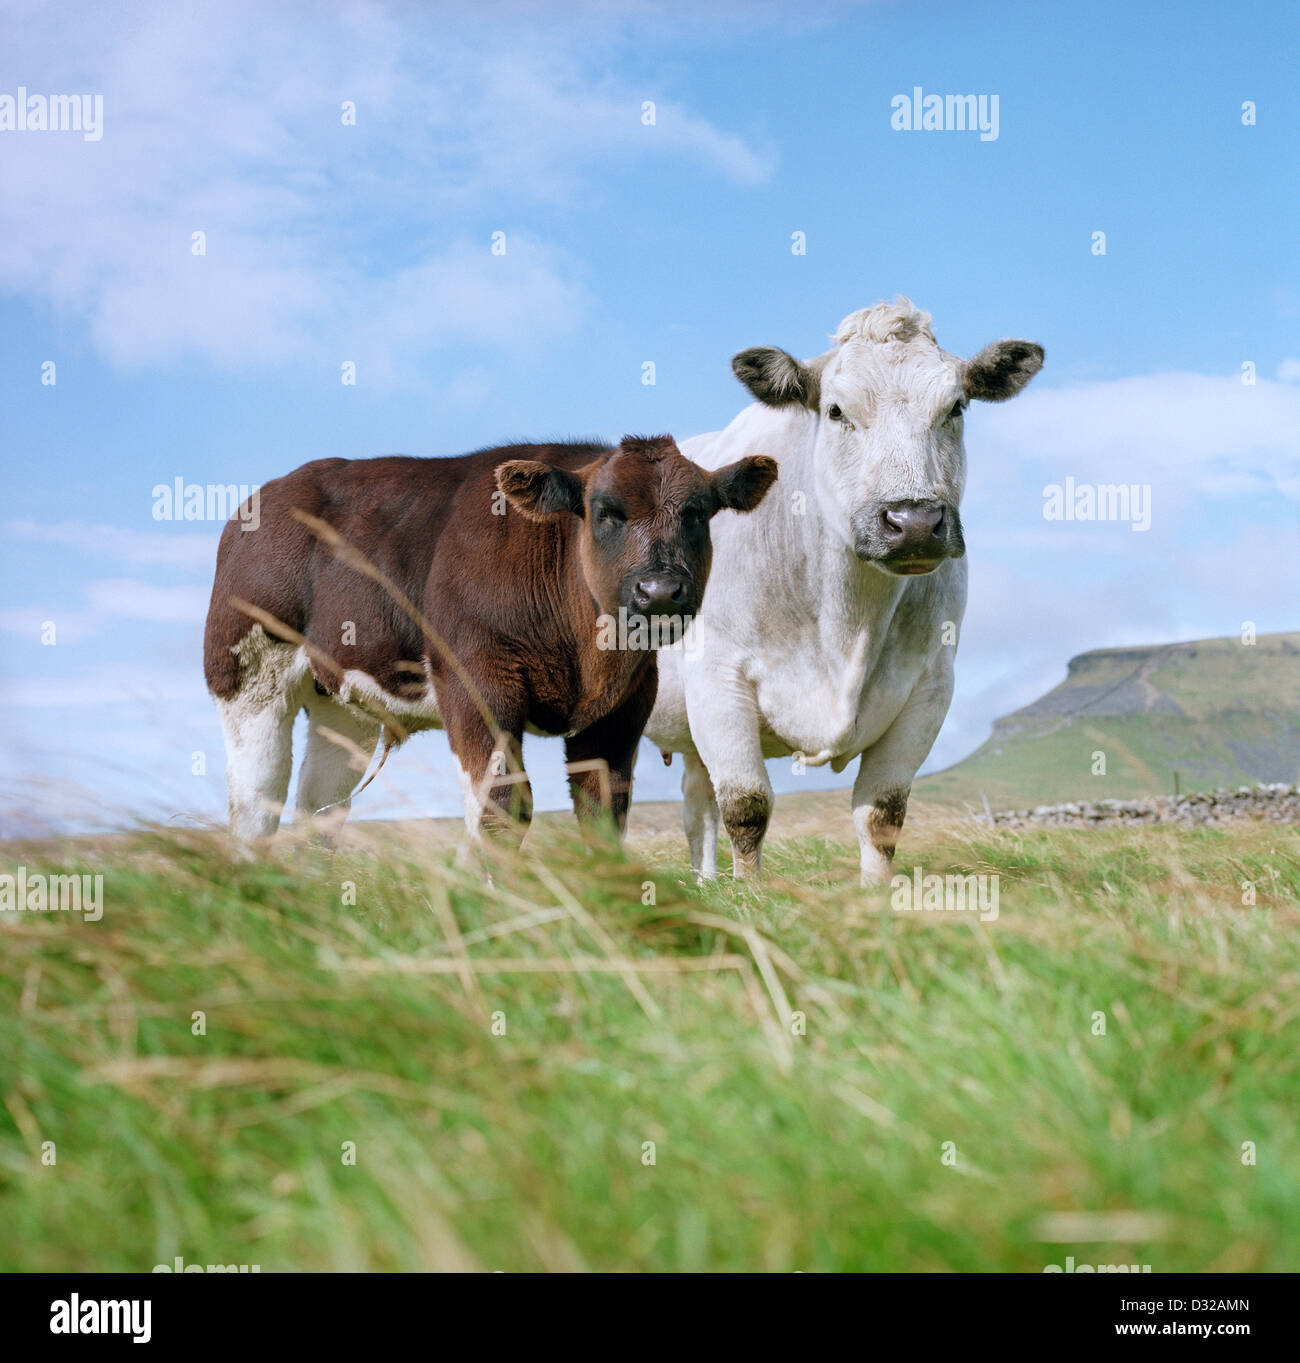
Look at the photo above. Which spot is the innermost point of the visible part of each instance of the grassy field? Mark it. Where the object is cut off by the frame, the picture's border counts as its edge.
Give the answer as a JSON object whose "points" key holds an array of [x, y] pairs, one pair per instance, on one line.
{"points": [[594, 1064]]}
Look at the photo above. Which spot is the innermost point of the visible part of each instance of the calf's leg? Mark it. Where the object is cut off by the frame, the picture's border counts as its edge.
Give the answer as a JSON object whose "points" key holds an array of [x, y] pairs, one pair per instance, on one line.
{"points": [[494, 786], [602, 756], [700, 817], [340, 743], [259, 759]]}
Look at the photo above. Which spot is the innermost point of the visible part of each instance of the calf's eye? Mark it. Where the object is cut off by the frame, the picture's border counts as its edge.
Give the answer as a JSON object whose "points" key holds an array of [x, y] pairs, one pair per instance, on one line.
{"points": [[834, 413]]}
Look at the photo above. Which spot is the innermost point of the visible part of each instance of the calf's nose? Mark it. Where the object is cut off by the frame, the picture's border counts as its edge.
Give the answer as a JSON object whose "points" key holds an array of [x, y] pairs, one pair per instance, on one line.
{"points": [[907, 525], [659, 593]]}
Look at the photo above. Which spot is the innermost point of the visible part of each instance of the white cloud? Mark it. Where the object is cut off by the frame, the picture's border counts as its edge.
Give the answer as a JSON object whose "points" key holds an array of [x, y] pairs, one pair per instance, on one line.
{"points": [[107, 684], [323, 242], [184, 554], [185, 550], [108, 600], [466, 293], [129, 599], [1289, 370], [1191, 434]]}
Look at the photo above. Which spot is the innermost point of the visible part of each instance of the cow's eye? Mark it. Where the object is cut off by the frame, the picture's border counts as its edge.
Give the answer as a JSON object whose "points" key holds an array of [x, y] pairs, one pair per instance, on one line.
{"points": [[609, 515], [956, 411], [834, 412]]}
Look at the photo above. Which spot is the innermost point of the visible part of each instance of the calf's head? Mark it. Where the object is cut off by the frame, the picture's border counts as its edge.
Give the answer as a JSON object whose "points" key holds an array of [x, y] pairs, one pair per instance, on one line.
{"points": [[642, 514], [889, 461]]}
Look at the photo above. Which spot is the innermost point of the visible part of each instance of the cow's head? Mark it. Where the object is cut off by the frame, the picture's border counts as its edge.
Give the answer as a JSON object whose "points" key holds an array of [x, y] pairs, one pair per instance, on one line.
{"points": [[643, 513], [890, 464]]}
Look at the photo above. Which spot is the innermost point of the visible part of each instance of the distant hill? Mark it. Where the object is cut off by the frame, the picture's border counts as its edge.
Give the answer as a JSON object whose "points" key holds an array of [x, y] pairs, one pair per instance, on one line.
{"points": [[1216, 711]]}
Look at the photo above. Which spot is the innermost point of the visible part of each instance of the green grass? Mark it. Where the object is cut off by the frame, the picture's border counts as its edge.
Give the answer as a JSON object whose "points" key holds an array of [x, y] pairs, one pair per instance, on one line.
{"points": [[799, 1055]]}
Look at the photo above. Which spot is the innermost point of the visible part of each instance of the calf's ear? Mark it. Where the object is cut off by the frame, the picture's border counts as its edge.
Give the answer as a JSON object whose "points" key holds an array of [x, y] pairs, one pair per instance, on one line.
{"points": [[742, 485], [540, 491], [1001, 370], [777, 379]]}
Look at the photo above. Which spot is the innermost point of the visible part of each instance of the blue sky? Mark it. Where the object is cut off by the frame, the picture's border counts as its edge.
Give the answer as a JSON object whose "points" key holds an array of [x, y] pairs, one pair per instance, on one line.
{"points": [[625, 243]]}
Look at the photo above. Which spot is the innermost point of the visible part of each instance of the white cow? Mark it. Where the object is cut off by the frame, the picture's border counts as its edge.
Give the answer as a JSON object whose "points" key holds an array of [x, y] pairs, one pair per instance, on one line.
{"points": [[830, 622]]}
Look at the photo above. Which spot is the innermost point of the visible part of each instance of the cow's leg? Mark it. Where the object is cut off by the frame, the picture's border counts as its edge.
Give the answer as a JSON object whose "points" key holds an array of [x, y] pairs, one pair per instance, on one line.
{"points": [[259, 760], [725, 725], [879, 809], [497, 795], [340, 743], [603, 791], [888, 767], [700, 817]]}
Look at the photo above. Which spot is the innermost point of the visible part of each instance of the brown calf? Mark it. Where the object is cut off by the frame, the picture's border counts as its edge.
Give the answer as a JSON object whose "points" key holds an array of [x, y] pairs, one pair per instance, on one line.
{"points": [[475, 594]]}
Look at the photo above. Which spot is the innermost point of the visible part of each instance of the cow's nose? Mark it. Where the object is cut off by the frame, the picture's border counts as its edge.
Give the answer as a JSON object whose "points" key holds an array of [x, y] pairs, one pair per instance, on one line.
{"points": [[659, 593], [909, 525]]}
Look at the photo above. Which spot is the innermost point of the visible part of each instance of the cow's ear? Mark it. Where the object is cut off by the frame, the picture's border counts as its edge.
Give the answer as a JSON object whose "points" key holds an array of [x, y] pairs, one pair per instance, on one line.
{"points": [[777, 379], [742, 485], [1001, 370], [540, 491]]}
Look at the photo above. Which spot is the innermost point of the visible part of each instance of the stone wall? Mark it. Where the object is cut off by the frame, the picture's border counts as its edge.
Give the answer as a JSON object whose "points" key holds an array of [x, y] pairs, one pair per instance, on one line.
{"points": [[1275, 803]]}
